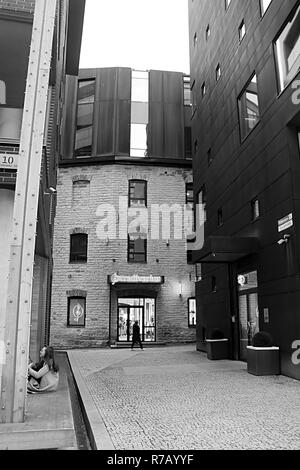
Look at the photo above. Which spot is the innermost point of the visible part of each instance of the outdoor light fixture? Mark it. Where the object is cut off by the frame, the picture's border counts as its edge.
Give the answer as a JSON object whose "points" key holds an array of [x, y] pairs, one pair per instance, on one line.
{"points": [[168, 242], [285, 239], [50, 191]]}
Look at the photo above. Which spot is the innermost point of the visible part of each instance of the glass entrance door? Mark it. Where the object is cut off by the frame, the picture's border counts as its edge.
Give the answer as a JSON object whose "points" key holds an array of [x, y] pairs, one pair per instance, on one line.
{"points": [[248, 311], [142, 310]]}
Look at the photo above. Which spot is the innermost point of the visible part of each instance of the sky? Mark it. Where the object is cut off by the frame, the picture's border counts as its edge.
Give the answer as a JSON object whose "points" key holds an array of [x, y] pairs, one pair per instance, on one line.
{"points": [[140, 34]]}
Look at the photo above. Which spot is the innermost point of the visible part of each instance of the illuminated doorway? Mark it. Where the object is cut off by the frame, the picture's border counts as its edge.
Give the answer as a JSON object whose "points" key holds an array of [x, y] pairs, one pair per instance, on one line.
{"points": [[140, 309]]}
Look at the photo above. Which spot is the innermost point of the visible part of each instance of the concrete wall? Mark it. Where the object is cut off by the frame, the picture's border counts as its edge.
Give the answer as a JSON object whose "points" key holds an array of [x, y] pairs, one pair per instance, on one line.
{"points": [[106, 184]]}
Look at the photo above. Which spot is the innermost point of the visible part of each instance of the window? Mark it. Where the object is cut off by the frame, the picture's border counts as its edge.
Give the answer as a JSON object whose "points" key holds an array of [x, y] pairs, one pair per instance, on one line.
{"points": [[188, 142], [137, 249], [264, 5], [242, 30], [78, 248], [187, 91], [2, 92], [194, 98], [85, 111], [195, 39], [209, 157], [213, 284], [137, 193], [203, 89], [287, 50], [227, 3], [220, 218], [249, 108], [139, 114], [192, 312], [255, 209], [218, 72], [207, 32], [76, 311], [189, 200]]}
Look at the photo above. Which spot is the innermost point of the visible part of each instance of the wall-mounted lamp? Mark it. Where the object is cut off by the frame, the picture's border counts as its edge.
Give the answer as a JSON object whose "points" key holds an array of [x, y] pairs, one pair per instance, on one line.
{"points": [[50, 191], [168, 242], [285, 239], [180, 289]]}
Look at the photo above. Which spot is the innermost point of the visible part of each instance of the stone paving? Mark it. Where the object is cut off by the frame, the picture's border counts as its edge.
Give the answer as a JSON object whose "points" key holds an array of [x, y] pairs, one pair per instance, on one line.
{"points": [[175, 398]]}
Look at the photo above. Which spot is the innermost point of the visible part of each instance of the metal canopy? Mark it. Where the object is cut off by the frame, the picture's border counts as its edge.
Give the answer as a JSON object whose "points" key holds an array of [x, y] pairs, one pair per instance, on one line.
{"points": [[225, 249]]}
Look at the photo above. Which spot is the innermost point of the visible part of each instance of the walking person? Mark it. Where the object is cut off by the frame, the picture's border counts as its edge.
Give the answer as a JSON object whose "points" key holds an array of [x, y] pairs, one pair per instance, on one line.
{"points": [[136, 336]]}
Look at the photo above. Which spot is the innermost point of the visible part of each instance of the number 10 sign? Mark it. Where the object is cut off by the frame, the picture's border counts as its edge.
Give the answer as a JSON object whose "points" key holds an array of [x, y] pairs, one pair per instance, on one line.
{"points": [[8, 160]]}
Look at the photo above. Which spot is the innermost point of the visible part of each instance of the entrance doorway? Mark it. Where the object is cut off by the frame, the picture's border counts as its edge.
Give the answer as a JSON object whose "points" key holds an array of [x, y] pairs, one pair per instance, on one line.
{"points": [[140, 309], [248, 311]]}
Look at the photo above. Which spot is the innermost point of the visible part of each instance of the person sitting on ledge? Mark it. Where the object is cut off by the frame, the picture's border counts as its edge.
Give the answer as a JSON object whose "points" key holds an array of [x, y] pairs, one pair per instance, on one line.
{"points": [[46, 378]]}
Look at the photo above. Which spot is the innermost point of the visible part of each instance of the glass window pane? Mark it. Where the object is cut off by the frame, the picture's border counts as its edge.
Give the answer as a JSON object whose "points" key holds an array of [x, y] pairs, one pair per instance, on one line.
{"points": [[287, 49], [249, 108], [138, 140], [139, 113], [140, 86], [86, 91]]}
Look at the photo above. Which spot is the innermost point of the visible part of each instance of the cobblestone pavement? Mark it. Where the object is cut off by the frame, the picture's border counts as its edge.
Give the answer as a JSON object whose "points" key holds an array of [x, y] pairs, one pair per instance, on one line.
{"points": [[175, 398]]}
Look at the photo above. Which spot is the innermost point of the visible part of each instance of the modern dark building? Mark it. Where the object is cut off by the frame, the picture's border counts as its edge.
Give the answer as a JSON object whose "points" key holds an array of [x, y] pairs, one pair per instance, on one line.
{"points": [[124, 192], [245, 60], [16, 19]]}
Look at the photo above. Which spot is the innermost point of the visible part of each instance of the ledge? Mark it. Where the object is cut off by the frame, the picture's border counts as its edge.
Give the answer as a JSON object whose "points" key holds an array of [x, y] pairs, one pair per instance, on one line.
{"points": [[216, 340], [271, 348]]}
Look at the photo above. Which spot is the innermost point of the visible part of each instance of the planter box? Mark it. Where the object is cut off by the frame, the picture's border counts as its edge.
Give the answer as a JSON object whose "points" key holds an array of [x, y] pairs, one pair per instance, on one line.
{"points": [[263, 361], [217, 349]]}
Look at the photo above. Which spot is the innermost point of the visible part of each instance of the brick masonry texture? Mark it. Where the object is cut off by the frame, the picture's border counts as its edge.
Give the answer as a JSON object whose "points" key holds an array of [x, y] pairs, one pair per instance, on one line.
{"points": [[107, 183], [18, 5]]}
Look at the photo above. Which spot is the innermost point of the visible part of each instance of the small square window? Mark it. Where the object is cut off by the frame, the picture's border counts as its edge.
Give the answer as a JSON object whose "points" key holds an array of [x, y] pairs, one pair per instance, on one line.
{"points": [[255, 209], [207, 32], [264, 5], [195, 147], [213, 284], [227, 3], [76, 312], [209, 157], [242, 30], [220, 217], [195, 39], [203, 90], [218, 72]]}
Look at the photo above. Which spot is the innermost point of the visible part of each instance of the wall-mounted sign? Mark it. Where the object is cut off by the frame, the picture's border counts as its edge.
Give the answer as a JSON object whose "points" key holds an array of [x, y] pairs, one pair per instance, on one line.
{"points": [[266, 315], [8, 160], [135, 279], [285, 223]]}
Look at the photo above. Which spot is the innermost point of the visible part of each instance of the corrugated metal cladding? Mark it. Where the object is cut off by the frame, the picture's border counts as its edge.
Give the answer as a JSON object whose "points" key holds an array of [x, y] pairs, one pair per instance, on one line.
{"points": [[112, 109]]}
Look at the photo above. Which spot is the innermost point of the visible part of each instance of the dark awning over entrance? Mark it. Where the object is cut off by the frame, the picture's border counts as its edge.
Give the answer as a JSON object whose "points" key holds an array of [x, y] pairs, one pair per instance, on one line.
{"points": [[225, 249]]}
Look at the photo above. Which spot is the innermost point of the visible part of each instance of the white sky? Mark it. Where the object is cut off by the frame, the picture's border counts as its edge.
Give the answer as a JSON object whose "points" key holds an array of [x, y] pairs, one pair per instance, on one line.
{"points": [[140, 34]]}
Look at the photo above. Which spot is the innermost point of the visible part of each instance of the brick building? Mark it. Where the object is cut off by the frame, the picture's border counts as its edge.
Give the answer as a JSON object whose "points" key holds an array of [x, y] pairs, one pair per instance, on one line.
{"points": [[125, 151], [245, 59], [16, 18]]}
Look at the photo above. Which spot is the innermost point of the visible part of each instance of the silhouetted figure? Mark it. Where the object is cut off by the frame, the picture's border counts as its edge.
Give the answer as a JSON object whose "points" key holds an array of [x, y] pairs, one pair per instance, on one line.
{"points": [[136, 337]]}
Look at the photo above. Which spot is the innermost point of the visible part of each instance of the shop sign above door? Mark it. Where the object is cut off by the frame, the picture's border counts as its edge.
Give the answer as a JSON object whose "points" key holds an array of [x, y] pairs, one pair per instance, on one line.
{"points": [[134, 279], [285, 223], [8, 160]]}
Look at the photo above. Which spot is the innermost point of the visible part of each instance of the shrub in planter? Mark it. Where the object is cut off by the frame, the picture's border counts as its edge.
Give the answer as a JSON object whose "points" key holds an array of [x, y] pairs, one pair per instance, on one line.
{"points": [[262, 339], [216, 345], [263, 357]]}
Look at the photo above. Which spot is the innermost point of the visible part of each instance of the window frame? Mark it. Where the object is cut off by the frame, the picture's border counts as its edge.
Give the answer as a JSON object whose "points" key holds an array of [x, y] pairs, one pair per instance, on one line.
{"points": [[70, 325], [89, 155], [239, 103], [190, 325], [130, 204], [242, 25], [262, 11], [82, 261], [254, 218], [133, 261]]}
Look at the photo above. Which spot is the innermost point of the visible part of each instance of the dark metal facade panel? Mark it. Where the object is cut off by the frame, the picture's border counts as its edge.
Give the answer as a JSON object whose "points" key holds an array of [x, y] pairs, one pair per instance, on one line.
{"points": [[69, 118]]}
